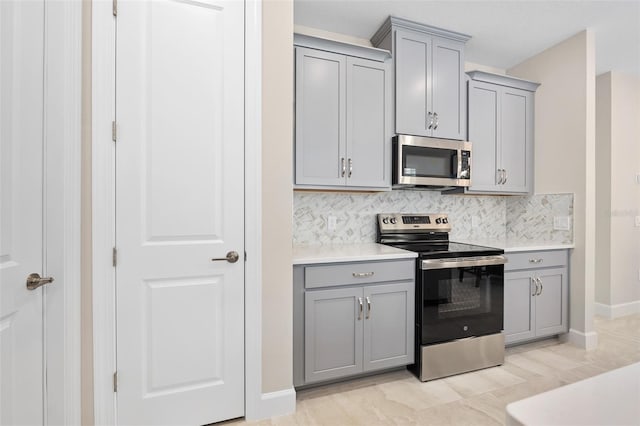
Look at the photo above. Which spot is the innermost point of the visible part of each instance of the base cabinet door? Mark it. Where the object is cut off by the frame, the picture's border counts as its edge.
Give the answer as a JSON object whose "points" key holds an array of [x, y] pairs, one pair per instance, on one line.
{"points": [[551, 302], [333, 333], [536, 298], [388, 327], [519, 312]]}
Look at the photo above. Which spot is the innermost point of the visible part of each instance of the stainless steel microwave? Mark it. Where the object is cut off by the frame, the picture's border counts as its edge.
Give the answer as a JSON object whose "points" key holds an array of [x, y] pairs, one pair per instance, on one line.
{"points": [[430, 162]]}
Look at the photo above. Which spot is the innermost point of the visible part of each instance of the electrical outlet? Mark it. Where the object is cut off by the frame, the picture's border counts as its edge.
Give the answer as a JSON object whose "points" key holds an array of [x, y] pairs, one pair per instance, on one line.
{"points": [[561, 223], [638, 221], [331, 223], [638, 178]]}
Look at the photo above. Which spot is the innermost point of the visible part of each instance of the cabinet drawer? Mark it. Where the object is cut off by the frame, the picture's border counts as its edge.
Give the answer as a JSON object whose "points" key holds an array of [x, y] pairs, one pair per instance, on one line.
{"points": [[358, 273], [535, 259]]}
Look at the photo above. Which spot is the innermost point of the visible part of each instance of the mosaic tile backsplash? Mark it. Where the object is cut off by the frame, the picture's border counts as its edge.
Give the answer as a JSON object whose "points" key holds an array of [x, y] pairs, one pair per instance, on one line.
{"points": [[527, 219]]}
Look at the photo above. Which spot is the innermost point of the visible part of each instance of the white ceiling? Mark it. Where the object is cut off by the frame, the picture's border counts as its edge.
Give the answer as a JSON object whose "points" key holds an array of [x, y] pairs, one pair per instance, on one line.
{"points": [[504, 33]]}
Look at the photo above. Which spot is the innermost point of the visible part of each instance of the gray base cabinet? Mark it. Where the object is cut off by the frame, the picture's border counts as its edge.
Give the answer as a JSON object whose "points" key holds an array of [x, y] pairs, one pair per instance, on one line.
{"points": [[342, 131], [352, 318], [500, 127], [536, 290]]}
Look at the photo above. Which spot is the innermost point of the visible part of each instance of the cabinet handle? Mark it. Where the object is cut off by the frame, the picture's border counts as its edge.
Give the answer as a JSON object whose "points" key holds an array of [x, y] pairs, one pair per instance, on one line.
{"points": [[360, 310], [362, 274], [368, 308], [506, 176], [504, 179], [430, 120], [435, 115], [344, 167], [535, 260], [533, 281], [350, 167], [541, 286], [498, 176]]}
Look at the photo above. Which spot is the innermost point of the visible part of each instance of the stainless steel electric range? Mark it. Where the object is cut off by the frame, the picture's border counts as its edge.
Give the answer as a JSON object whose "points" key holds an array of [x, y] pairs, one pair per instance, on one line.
{"points": [[459, 296]]}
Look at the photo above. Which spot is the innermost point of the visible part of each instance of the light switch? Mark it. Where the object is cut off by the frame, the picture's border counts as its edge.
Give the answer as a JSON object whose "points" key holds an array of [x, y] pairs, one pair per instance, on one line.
{"points": [[561, 223], [475, 221], [331, 223], [638, 178], [638, 221]]}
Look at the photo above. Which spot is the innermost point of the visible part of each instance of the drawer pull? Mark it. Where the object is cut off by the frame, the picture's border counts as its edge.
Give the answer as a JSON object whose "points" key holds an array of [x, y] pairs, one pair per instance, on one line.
{"points": [[362, 274], [535, 260]]}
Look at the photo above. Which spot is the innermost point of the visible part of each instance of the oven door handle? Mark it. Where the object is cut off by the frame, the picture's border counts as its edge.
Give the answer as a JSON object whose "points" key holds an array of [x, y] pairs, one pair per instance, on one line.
{"points": [[459, 262]]}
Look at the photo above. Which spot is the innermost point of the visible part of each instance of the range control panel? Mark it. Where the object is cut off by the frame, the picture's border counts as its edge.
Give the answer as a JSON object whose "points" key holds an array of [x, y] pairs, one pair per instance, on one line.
{"points": [[408, 221]]}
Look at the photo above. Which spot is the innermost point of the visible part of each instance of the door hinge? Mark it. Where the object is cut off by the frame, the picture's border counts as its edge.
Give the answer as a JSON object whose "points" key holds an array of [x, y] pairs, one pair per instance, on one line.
{"points": [[245, 256], [115, 7], [113, 131], [114, 257], [115, 381]]}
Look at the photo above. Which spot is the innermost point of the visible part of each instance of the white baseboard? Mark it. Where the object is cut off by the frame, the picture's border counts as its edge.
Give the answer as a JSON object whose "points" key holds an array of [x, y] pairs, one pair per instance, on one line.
{"points": [[582, 340], [617, 311], [274, 404]]}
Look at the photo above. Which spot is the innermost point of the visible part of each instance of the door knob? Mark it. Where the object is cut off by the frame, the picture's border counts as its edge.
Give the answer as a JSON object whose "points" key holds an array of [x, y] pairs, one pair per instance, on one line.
{"points": [[35, 280], [231, 257]]}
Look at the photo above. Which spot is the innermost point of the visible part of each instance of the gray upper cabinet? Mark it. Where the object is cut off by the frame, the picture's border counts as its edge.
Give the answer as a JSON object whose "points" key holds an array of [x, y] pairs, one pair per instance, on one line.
{"points": [[343, 135], [500, 127], [430, 91]]}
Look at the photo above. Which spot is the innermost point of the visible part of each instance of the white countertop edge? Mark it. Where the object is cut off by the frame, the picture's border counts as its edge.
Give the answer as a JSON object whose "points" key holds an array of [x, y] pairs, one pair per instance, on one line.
{"points": [[335, 253], [539, 248], [511, 247], [607, 398]]}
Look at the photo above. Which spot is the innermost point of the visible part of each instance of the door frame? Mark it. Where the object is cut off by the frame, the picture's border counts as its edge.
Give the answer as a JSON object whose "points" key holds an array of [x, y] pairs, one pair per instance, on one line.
{"points": [[61, 208], [103, 215]]}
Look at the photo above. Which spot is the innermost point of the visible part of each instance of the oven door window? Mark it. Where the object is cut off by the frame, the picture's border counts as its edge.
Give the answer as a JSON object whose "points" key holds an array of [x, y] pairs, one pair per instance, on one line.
{"points": [[429, 162], [461, 302]]}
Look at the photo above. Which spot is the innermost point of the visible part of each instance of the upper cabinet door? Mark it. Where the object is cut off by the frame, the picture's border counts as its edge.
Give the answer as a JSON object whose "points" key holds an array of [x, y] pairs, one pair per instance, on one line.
{"points": [[412, 57], [368, 135], [320, 119], [448, 90], [517, 140], [484, 101]]}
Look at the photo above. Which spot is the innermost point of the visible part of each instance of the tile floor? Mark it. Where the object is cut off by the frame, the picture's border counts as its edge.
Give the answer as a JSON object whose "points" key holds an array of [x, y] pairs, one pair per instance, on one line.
{"points": [[476, 398]]}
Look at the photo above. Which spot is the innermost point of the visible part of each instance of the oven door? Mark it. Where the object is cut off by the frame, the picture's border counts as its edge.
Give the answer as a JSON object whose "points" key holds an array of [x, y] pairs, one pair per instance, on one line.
{"points": [[459, 298]]}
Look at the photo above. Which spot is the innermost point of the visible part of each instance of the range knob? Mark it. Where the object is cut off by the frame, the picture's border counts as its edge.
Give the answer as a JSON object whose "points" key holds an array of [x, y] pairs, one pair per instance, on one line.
{"points": [[438, 221], [385, 220], [445, 220], [393, 220]]}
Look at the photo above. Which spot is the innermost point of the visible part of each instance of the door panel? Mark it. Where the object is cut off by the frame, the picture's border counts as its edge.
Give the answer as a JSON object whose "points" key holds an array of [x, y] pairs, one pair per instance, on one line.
{"points": [[389, 325], [413, 83], [551, 316], [21, 211], [179, 203], [320, 125], [514, 139], [519, 315], [448, 90], [332, 333], [367, 144], [484, 111]]}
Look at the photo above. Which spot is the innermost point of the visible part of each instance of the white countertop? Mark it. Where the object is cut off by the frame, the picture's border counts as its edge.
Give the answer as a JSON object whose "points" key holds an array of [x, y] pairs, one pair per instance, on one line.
{"points": [[519, 246], [607, 399], [309, 254]]}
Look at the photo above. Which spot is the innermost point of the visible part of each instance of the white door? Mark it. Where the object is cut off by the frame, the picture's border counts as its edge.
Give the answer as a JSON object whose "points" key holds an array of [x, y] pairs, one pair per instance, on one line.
{"points": [[179, 204], [21, 202]]}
